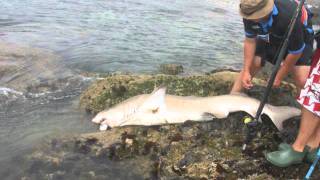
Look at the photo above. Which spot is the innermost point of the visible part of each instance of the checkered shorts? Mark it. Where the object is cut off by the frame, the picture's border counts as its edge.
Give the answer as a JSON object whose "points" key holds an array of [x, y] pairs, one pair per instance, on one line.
{"points": [[310, 94]]}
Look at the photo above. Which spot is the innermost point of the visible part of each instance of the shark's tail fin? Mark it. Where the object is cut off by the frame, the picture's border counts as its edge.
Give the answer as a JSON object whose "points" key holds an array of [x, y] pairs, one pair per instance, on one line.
{"points": [[278, 114]]}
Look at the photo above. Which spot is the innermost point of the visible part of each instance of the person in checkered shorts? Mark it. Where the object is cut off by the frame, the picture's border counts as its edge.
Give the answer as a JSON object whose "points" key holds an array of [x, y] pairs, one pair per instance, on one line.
{"points": [[308, 139]]}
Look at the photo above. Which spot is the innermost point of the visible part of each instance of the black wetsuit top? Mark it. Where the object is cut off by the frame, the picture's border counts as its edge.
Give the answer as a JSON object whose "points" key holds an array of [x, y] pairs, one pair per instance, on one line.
{"points": [[273, 31]]}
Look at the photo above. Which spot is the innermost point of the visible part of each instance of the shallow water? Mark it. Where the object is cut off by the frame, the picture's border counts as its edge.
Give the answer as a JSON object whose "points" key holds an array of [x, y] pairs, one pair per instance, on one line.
{"points": [[98, 36], [128, 35]]}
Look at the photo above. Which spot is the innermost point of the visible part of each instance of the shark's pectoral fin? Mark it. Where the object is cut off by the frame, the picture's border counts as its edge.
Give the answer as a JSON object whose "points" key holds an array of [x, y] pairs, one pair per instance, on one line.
{"points": [[278, 114], [206, 116]]}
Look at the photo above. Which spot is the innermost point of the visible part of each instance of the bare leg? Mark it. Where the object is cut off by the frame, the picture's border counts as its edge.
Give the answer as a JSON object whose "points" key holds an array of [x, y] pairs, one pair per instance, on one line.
{"points": [[308, 127], [314, 140], [300, 76], [237, 86]]}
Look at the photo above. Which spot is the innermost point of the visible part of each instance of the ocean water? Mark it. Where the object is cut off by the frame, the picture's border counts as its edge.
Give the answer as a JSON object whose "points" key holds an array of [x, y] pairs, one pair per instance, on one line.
{"points": [[128, 35], [39, 100]]}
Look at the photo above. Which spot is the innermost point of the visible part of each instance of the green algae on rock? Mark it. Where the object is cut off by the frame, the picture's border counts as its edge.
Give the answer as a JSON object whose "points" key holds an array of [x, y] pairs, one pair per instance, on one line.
{"points": [[116, 88], [171, 69]]}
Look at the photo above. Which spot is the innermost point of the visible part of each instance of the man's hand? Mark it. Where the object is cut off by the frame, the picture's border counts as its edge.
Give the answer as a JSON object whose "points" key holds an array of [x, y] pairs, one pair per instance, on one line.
{"points": [[247, 80], [249, 50], [276, 83]]}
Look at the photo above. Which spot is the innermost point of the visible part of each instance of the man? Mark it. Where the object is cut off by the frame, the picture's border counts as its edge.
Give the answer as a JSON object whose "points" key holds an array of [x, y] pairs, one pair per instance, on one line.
{"points": [[308, 140], [265, 24]]}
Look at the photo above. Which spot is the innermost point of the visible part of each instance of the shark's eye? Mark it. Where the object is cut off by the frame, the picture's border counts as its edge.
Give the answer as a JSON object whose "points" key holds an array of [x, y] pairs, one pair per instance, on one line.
{"points": [[155, 110], [103, 119]]}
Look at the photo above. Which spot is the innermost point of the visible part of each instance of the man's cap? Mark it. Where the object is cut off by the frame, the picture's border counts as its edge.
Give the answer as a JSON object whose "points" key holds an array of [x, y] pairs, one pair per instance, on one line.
{"points": [[255, 9]]}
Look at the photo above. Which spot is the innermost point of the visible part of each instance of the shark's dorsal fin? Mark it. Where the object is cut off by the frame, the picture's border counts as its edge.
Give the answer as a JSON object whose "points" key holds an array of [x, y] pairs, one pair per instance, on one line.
{"points": [[156, 101], [206, 116], [161, 87]]}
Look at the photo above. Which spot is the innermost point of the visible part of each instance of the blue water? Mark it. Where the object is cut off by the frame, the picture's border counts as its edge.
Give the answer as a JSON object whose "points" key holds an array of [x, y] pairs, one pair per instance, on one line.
{"points": [[128, 35]]}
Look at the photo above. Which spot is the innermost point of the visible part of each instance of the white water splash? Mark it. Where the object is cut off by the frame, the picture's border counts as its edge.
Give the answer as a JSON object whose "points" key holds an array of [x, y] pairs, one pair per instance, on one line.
{"points": [[7, 91]]}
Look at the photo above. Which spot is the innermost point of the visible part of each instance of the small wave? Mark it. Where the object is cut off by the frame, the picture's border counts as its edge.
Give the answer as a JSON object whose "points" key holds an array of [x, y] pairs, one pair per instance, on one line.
{"points": [[84, 78], [65, 88], [7, 91]]}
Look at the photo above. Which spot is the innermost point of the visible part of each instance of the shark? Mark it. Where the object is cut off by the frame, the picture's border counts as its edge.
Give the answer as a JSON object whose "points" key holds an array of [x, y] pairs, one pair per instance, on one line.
{"points": [[159, 108]]}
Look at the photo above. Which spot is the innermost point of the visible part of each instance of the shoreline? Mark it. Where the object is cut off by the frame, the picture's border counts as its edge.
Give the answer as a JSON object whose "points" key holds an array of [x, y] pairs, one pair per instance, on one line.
{"points": [[191, 150]]}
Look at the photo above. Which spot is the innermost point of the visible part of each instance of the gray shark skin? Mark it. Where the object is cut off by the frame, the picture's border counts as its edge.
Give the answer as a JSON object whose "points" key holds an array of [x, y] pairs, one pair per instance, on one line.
{"points": [[158, 108]]}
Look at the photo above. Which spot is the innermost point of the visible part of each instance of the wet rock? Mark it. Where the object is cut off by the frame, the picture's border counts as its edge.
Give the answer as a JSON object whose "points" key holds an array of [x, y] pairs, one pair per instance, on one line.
{"points": [[72, 157], [68, 165], [190, 158], [25, 178], [114, 151], [203, 155], [103, 154], [171, 69], [150, 147], [91, 141], [192, 150], [40, 164], [223, 70], [129, 142], [24, 68], [57, 175], [176, 137], [82, 147], [201, 170], [55, 143]]}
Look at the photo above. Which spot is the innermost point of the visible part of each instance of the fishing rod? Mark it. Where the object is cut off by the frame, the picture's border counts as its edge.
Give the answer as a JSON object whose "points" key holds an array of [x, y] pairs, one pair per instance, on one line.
{"points": [[252, 124]]}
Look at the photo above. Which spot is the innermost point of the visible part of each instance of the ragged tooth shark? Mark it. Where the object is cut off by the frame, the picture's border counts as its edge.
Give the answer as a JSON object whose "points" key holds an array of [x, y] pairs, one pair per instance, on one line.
{"points": [[158, 108]]}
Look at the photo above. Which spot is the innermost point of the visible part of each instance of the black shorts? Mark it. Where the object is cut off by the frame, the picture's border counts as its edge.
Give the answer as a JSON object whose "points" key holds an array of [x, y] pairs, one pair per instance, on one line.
{"points": [[268, 52]]}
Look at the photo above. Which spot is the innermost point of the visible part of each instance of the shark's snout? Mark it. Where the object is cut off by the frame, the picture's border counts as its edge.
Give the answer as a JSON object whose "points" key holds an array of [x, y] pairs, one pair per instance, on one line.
{"points": [[98, 119]]}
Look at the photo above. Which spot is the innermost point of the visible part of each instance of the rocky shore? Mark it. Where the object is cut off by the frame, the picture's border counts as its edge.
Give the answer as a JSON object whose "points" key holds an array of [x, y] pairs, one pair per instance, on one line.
{"points": [[207, 150], [202, 150]]}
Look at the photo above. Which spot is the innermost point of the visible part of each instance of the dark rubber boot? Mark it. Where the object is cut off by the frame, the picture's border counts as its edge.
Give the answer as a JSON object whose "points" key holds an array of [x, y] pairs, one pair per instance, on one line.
{"points": [[283, 146], [286, 157]]}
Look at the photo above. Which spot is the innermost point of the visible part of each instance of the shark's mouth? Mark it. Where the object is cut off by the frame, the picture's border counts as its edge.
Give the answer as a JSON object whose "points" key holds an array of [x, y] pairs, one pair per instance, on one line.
{"points": [[103, 125]]}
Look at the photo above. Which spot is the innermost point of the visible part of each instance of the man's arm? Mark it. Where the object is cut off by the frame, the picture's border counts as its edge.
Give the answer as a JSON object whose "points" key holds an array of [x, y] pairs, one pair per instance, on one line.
{"points": [[286, 67], [249, 51]]}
